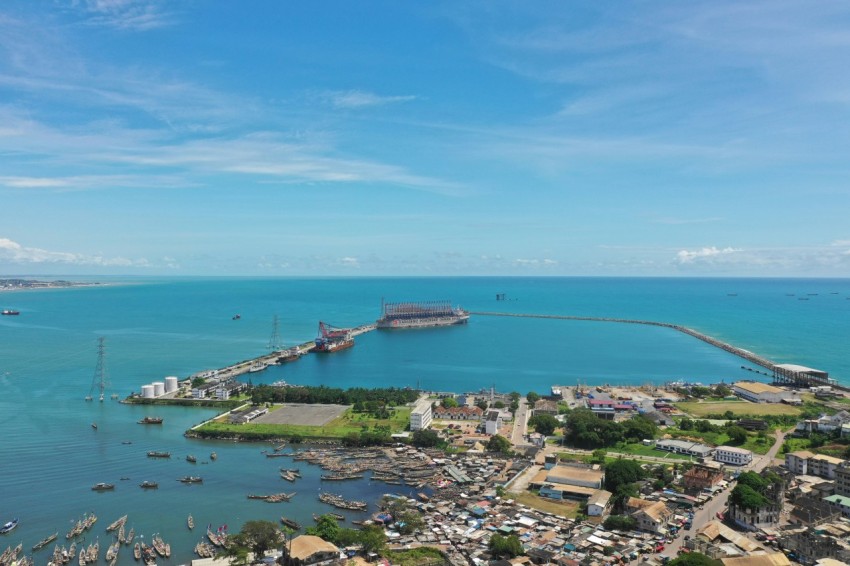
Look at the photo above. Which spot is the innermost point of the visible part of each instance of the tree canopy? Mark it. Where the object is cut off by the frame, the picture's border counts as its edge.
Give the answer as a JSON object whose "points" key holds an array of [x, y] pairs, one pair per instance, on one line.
{"points": [[694, 559], [499, 443], [544, 424], [508, 546], [256, 537], [620, 475]]}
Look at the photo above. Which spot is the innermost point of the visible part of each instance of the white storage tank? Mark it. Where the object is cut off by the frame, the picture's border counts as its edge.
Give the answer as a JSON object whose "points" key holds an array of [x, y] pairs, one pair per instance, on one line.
{"points": [[158, 388], [170, 384], [148, 392]]}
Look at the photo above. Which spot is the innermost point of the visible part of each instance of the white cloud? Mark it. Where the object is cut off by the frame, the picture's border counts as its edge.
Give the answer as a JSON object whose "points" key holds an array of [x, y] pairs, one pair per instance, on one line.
{"points": [[350, 262], [14, 252], [703, 254], [360, 99], [134, 15]]}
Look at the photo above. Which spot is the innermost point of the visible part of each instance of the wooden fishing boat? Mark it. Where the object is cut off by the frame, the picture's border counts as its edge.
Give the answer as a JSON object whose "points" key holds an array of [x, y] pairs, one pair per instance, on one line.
{"points": [[130, 536], [137, 551], [116, 524], [45, 541], [290, 523]]}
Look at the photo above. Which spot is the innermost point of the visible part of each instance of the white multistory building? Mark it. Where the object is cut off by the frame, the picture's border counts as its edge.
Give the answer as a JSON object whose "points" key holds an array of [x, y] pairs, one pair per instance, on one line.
{"points": [[420, 416], [733, 455]]}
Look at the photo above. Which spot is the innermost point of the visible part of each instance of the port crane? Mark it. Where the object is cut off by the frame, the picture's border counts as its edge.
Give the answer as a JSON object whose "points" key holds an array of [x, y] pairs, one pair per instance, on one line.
{"points": [[329, 332]]}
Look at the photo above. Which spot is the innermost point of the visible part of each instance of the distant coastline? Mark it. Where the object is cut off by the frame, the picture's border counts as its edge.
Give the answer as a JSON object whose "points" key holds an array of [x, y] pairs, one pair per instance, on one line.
{"points": [[19, 284]]}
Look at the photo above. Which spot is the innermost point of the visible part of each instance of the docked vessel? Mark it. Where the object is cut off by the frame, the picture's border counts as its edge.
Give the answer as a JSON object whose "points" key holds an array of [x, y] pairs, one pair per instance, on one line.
{"points": [[151, 420], [257, 366], [421, 315], [10, 312], [290, 355], [333, 339]]}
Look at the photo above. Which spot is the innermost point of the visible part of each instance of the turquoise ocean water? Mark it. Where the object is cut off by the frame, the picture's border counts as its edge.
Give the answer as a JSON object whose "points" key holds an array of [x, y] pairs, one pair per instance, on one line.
{"points": [[158, 327]]}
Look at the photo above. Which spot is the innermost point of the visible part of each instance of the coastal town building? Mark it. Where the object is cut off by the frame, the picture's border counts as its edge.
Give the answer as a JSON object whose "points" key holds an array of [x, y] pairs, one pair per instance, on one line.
{"points": [[758, 392], [798, 462], [733, 455], [599, 503], [546, 407], [804, 462], [824, 466], [811, 510], [493, 422], [685, 447], [824, 424], [766, 559], [842, 480], [840, 502], [798, 375], [810, 545], [767, 515], [653, 518], [702, 476], [568, 481], [458, 413], [309, 550], [421, 415]]}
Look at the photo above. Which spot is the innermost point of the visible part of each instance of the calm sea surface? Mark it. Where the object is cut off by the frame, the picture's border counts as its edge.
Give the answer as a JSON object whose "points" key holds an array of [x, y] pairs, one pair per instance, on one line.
{"points": [[155, 328]]}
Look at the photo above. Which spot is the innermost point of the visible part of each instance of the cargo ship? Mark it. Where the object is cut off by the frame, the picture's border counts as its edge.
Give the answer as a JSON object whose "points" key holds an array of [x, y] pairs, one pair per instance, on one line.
{"points": [[421, 315], [333, 339]]}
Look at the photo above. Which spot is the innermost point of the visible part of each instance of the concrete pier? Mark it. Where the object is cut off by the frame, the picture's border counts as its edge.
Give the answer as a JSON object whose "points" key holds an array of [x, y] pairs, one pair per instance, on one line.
{"points": [[245, 366]]}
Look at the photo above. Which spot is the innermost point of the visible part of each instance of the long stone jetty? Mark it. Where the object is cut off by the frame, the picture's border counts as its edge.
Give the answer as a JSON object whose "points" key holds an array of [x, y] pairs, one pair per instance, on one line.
{"points": [[740, 352]]}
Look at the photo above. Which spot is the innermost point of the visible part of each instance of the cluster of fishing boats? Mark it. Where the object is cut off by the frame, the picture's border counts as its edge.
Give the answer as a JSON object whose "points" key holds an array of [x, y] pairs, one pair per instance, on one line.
{"points": [[81, 526], [341, 503], [344, 464], [291, 474], [205, 550], [10, 556], [219, 537], [341, 477], [274, 498]]}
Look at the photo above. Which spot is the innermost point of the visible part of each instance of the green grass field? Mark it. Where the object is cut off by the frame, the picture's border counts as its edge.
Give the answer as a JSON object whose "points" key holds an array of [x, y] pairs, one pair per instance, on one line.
{"points": [[337, 428], [640, 450], [738, 408]]}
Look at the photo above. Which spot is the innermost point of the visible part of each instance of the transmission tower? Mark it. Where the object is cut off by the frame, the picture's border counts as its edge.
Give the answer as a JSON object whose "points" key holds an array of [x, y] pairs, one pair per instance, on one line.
{"points": [[274, 341], [100, 379]]}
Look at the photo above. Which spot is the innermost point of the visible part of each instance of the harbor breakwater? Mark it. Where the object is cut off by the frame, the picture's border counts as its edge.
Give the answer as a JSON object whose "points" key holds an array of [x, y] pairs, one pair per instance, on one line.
{"points": [[740, 352]]}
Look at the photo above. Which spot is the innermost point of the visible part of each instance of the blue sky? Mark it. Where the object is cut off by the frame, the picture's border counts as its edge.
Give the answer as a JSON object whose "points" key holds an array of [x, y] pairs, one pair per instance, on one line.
{"points": [[424, 138]]}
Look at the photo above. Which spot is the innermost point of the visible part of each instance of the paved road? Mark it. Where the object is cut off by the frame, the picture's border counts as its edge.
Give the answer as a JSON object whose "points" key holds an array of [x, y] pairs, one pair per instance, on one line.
{"points": [[520, 423], [718, 503]]}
